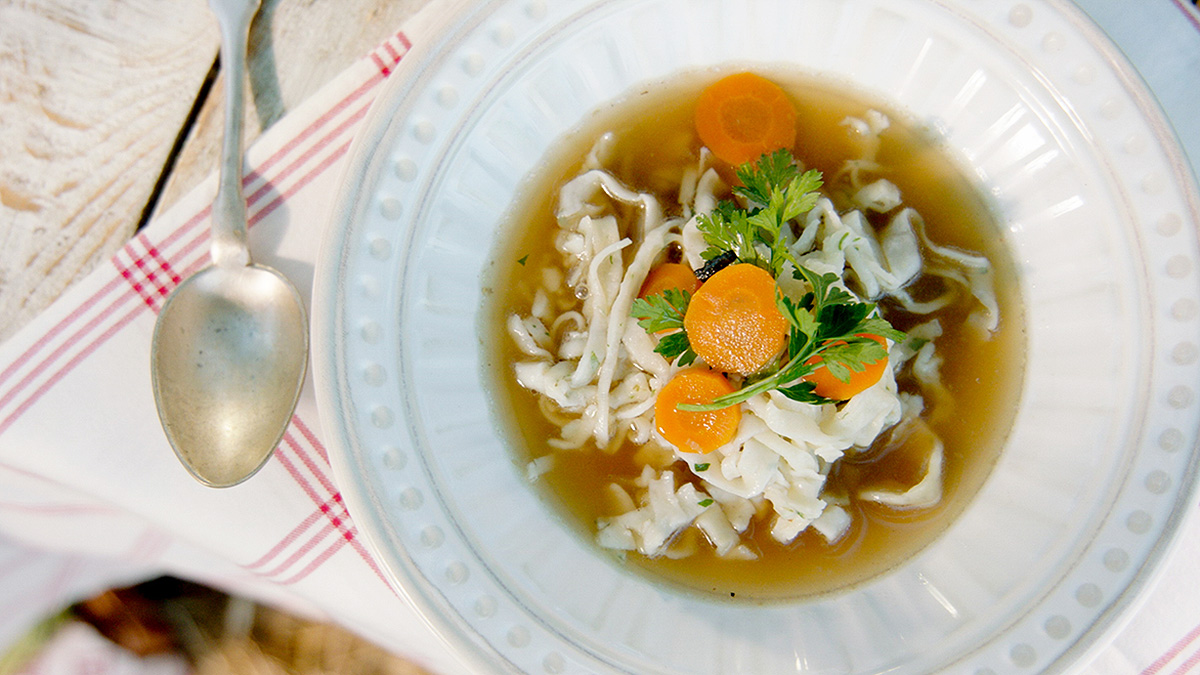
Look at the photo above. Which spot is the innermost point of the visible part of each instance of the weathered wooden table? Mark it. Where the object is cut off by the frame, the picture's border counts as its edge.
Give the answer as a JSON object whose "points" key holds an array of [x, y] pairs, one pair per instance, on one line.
{"points": [[110, 110]]}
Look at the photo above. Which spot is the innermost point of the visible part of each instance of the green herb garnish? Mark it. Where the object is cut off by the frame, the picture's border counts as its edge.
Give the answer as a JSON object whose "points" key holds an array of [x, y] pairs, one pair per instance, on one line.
{"points": [[826, 322], [664, 312], [777, 193]]}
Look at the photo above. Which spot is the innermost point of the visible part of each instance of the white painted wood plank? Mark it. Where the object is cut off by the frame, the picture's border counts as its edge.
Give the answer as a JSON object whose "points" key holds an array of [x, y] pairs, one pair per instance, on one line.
{"points": [[93, 94]]}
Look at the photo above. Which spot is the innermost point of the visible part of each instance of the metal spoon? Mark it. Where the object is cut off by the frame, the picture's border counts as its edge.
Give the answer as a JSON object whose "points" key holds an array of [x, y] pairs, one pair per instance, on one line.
{"points": [[230, 347]]}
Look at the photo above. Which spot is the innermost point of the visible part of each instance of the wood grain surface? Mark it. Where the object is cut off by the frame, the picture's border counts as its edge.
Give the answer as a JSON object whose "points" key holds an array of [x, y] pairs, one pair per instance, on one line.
{"points": [[95, 94]]}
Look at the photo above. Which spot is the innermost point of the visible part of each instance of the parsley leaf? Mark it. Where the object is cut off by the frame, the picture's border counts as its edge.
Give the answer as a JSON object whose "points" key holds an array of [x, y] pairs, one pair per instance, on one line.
{"points": [[878, 326], [851, 356], [727, 228], [842, 318], [662, 311], [803, 392], [676, 345]]}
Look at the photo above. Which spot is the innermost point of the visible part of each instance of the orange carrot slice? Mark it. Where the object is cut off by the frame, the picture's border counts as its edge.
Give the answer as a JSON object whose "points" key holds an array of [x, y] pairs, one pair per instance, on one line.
{"points": [[830, 387], [696, 431], [733, 323], [669, 275], [742, 116]]}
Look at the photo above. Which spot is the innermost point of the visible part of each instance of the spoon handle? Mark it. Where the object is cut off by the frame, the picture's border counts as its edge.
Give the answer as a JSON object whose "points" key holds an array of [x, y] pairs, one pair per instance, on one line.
{"points": [[229, 244]]}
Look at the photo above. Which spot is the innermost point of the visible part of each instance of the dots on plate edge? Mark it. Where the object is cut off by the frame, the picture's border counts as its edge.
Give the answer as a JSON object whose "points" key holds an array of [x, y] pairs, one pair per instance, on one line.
{"points": [[1171, 440], [432, 537], [371, 332], [1020, 15], [1139, 522], [1184, 309], [1116, 560], [553, 663], [411, 499], [382, 417], [473, 64], [1169, 224], [1110, 109], [518, 636], [391, 208], [380, 248], [457, 572], [374, 374], [485, 606], [1158, 482], [423, 131], [1057, 627], [1180, 397], [1088, 595], [1153, 184], [1135, 144], [368, 286], [1023, 655], [447, 96], [503, 34], [1053, 43], [394, 458], [1185, 353], [406, 169], [1178, 267], [536, 10]]}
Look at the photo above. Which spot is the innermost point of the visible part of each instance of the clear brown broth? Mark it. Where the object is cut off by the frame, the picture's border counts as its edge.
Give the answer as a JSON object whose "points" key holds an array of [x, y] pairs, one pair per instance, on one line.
{"points": [[655, 142]]}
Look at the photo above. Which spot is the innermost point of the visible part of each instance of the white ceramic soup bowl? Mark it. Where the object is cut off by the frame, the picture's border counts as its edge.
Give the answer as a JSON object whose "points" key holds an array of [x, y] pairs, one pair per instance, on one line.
{"points": [[1098, 211]]}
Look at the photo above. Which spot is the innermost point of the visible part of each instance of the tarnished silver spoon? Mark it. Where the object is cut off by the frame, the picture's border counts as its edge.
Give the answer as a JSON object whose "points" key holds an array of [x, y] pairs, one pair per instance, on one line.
{"points": [[230, 347]]}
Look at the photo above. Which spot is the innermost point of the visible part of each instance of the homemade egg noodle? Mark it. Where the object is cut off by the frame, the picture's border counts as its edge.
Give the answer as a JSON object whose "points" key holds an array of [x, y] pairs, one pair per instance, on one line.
{"points": [[757, 337]]}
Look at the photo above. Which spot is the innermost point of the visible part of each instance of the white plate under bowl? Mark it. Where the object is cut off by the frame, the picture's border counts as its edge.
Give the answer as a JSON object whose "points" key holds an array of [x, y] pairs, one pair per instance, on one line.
{"points": [[1099, 211]]}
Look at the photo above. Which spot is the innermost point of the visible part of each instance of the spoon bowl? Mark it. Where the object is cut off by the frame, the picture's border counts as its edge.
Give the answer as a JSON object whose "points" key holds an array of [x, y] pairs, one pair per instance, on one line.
{"points": [[227, 363]]}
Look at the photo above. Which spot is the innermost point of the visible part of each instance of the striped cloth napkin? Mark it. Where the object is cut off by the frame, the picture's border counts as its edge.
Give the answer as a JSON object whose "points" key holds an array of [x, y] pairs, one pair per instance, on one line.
{"points": [[91, 495]]}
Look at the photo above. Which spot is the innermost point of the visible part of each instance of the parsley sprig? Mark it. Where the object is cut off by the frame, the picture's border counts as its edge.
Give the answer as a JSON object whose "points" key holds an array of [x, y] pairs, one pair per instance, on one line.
{"points": [[777, 193], [664, 312], [826, 322]]}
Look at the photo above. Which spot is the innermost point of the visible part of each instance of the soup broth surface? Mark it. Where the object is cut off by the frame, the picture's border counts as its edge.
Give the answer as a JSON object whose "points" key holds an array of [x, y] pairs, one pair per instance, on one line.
{"points": [[655, 143]]}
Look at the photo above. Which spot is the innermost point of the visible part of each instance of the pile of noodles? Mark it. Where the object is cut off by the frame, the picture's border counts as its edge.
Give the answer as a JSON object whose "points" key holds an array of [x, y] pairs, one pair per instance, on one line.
{"points": [[596, 372]]}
